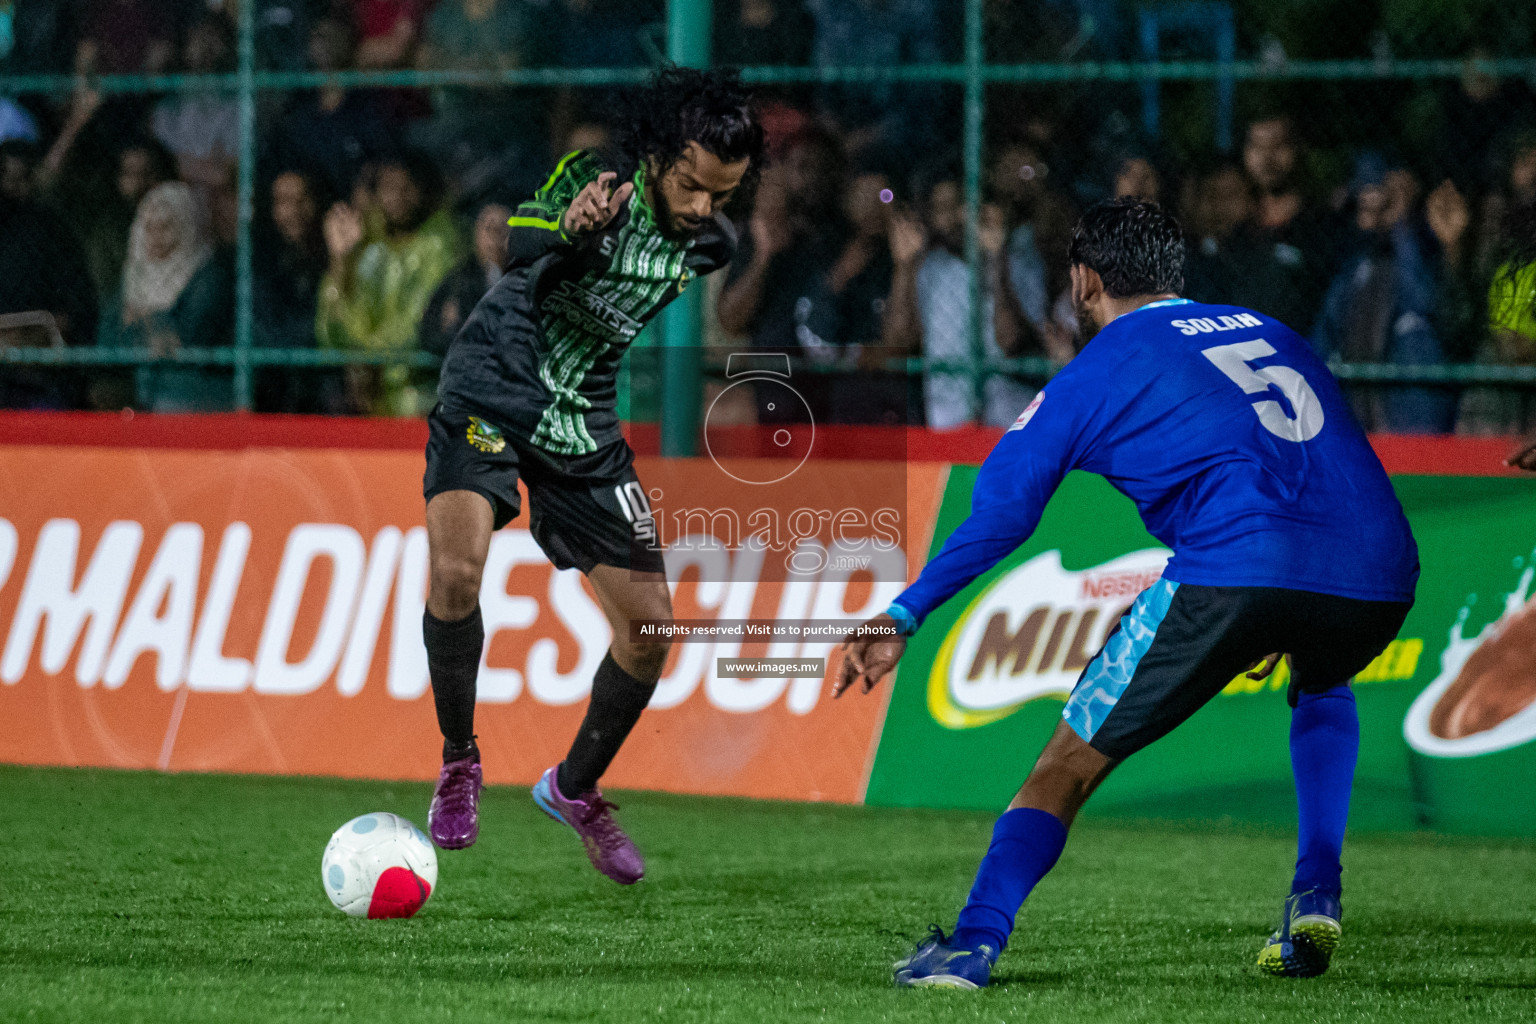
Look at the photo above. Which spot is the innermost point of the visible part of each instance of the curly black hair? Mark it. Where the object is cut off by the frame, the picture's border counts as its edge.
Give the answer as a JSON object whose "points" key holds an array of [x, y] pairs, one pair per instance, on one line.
{"points": [[1136, 247], [682, 105]]}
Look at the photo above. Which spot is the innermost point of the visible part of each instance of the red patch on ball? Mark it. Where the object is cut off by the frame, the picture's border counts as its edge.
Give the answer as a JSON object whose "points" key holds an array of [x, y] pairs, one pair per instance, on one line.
{"points": [[400, 892]]}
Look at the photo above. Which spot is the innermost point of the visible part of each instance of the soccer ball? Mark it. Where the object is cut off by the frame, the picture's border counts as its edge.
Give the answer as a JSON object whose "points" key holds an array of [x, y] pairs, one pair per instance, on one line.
{"points": [[379, 865]]}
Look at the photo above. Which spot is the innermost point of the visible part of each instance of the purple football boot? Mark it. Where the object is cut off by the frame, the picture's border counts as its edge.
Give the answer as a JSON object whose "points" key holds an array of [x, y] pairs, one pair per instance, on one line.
{"points": [[608, 848], [454, 819]]}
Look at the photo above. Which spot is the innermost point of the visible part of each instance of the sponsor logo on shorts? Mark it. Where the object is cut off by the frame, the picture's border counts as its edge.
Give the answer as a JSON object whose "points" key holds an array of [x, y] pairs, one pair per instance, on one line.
{"points": [[1030, 635], [636, 507], [484, 436]]}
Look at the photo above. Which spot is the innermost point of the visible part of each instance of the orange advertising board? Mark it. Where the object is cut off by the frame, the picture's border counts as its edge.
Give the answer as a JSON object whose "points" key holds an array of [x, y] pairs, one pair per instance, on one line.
{"points": [[259, 611]]}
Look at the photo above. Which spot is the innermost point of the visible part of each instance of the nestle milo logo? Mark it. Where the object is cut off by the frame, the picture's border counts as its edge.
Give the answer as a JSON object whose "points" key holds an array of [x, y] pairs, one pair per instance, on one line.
{"points": [[1031, 633]]}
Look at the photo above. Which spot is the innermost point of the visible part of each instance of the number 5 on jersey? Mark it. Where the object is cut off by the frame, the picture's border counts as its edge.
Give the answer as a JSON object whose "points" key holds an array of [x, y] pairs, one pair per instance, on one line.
{"points": [[1307, 418]]}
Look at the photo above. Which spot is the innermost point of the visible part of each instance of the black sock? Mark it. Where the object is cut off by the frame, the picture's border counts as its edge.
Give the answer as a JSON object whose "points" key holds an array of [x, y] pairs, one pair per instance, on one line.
{"points": [[453, 659], [617, 700]]}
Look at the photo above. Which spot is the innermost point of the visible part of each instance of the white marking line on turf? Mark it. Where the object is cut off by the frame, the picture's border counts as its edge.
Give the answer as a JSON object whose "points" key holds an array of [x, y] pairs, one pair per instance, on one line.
{"points": [[171, 728]]}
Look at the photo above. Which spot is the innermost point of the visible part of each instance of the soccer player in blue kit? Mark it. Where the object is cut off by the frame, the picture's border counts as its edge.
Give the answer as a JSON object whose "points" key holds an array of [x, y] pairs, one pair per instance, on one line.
{"points": [[1240, 453]]}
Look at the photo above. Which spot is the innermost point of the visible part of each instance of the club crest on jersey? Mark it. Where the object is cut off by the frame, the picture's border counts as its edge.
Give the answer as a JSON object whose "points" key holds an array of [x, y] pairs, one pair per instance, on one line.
{"points": [[484, 436], [685, 279], [1028, 414]]}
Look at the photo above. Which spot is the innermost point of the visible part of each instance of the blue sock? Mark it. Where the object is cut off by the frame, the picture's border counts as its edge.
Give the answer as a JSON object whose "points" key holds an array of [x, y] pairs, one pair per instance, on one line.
{"points": [[1325, 741], [1025, 845]]}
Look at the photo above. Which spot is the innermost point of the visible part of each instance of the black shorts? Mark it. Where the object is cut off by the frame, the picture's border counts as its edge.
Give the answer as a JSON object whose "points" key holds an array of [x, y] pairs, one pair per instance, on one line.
{"points": [[1180, 644], [584, 510]]}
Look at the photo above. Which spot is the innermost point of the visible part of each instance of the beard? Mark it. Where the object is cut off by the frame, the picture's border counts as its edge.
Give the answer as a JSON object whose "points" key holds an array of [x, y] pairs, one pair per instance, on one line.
{"points": [[672, 226]]}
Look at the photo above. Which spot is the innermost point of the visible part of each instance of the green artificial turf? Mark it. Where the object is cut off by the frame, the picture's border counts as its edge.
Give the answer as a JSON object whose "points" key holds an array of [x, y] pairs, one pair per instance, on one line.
{"points": [[141, 897]]}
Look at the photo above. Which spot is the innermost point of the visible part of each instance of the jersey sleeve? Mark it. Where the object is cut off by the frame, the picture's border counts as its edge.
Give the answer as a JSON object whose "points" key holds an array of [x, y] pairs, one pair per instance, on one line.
{"points": [[1011, 491], [536, 227]]}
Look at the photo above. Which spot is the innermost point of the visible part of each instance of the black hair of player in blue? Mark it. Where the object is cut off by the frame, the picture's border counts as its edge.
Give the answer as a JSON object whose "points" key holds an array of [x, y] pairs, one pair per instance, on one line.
{"points": [[1136, 248], [682, 105]]}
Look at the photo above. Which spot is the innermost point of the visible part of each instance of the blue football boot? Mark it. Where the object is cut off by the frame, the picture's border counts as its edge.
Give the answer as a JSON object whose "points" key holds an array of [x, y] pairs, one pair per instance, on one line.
{"points": [[938, 964], [1309, 931]]}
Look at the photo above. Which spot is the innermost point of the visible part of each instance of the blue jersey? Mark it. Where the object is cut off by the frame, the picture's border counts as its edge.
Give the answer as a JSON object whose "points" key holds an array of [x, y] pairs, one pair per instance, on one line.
{"points": [[1233, 440]]}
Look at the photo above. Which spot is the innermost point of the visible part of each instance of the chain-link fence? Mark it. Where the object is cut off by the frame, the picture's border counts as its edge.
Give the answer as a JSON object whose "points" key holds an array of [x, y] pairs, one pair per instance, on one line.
{"points": [[291, 205]]}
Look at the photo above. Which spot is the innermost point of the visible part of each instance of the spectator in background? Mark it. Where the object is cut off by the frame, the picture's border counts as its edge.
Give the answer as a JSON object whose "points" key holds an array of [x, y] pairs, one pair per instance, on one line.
{"points": [[1512, 297], [175, 295], [1510, 337], [18, 170], [762, 32], [1222, 202], [457, 296], [935, 309], [588, 33], [288, 260], [384, 268], [1042, 219], [1476, 115], [860, 286], [202, 129], [1383, 305], [486, 35], [333, 132], [388, 31], [100, 204], [482, 137], [1137, 177], [876, 33], [42, 269], [1291, 256], [775, 293], [124, 37], [1514, 192], [282, 30]]}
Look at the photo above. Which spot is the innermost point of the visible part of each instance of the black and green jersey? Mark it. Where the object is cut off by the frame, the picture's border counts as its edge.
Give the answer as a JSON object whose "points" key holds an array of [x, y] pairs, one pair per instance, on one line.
{"points": [[540, 354]]}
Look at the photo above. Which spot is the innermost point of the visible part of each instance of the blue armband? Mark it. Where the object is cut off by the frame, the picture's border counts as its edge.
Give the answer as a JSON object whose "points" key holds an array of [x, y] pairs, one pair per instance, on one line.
{"points": [[906, 623]]}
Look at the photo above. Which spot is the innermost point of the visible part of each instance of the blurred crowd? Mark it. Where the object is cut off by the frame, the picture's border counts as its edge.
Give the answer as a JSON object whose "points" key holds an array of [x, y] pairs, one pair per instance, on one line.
{"points": [[380, 214]]}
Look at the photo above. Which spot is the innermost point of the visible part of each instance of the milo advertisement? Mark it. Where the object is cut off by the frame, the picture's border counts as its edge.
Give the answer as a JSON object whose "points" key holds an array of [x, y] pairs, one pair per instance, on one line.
{"points": [[1448, 711], [1470, 725]]}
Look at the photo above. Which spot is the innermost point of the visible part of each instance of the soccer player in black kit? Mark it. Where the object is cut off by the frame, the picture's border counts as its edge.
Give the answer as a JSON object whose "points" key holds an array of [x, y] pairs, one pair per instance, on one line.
{"points": [[528, 390]]}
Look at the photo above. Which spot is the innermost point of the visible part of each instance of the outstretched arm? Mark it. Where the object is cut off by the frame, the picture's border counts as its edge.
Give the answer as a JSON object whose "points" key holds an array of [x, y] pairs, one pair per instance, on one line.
{"points": [[1010, 494]]}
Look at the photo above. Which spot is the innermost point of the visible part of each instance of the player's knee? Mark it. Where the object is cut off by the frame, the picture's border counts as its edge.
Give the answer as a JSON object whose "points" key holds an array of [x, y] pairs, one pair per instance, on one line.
{"points": [[455, 586], [1065, 768], [1065, 774], [648, 658]]}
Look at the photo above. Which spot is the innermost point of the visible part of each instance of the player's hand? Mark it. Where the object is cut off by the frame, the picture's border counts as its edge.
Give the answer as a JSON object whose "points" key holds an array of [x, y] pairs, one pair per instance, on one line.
{"points": [[1264, 667], [869, 653], [1524, 459], [596, 205]]}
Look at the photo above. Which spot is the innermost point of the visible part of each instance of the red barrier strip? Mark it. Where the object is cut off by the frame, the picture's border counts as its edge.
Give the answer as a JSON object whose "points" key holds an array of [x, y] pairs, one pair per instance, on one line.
{"points": [[1402, 454]]}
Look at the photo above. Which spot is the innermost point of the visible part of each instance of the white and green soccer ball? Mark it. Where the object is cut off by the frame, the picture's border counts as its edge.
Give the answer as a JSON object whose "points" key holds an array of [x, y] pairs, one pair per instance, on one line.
{"points": [[379, 865]]}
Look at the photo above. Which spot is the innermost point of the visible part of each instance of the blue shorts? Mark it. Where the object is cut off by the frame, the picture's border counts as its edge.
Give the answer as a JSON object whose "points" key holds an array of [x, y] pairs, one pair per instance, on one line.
{"points": [[1178, 645]]}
